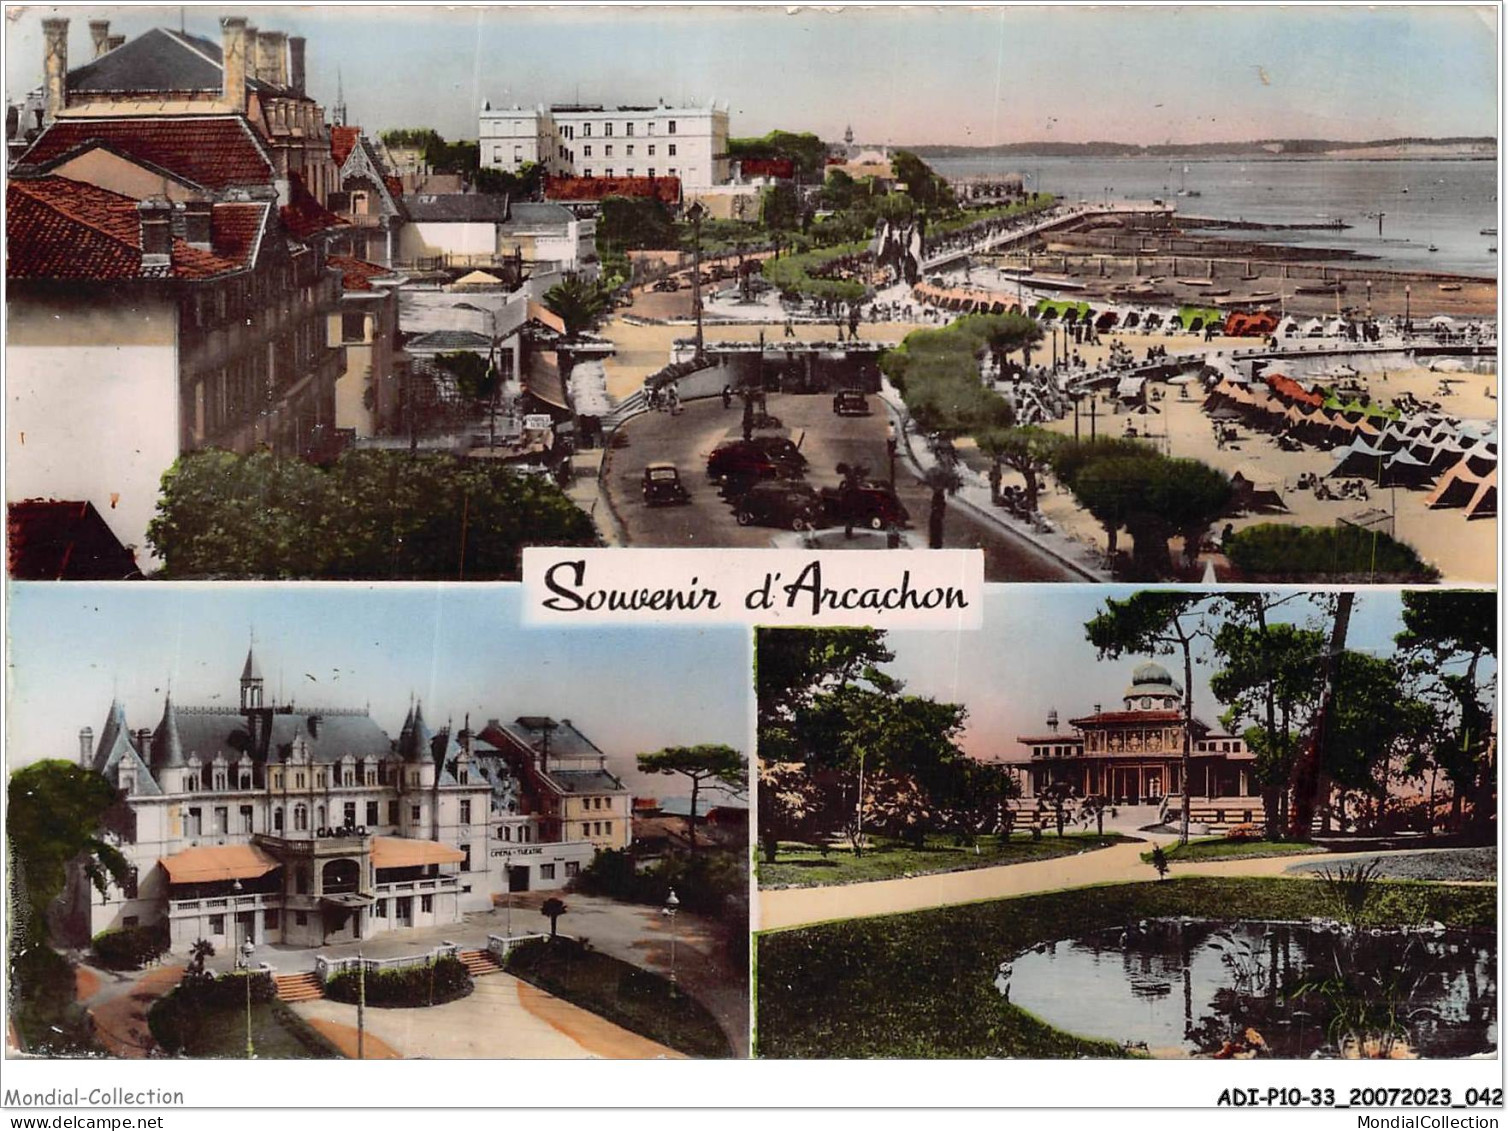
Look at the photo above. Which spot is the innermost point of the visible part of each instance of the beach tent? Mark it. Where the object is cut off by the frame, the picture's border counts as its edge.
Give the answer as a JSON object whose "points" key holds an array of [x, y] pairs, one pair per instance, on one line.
{"points": [[1314, 328], [1131, 320], [1403, 470], [1130, 388], [1290, 326], [1256, 489], [1336, 328], [1481, 463], [1456, 488], [1358, 460]]}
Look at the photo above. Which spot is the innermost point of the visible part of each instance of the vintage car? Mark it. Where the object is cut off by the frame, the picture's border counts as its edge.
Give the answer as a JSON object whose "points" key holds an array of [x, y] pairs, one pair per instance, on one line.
{"points": [[871, 503], [850, 402], [792, 505], [764, 457], [662, 486]]}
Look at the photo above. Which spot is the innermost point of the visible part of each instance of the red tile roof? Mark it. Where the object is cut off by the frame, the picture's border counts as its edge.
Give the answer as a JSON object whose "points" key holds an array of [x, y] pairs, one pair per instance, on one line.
{"points": [[666, 189], [303, 215], [52, 540], [61, 229], [394, 186], [780, 167], [216, 152], [357, 274], [342, 140]]}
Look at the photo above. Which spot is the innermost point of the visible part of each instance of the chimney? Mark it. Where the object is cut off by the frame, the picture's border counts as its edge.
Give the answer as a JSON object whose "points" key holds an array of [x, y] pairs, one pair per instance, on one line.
{"points": [[271, 58], [296, 64], [114, 41], [86, 747], [99, 30], [233, 51], [196, 223], [156, 232], [54, 68], [249, 53], [143, 741]]}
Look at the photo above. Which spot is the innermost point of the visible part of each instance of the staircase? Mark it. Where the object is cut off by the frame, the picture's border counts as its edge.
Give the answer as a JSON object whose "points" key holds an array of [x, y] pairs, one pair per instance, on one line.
{"points": [[631, 405], [298, 987], [479, 962]]}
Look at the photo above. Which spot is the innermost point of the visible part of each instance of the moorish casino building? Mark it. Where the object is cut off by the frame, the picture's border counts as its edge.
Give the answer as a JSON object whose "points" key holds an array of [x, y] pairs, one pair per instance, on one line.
{"points": [[279, 823], [1134, 756]]}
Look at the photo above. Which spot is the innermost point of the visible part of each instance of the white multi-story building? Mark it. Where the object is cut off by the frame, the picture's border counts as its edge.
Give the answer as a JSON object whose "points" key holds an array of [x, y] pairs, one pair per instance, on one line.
{"points": [[688, 142], [306, 826]]}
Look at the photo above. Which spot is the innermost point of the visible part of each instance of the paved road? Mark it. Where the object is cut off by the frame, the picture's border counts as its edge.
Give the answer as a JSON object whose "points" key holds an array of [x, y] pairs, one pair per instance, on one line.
{"points": [[826, 440]]}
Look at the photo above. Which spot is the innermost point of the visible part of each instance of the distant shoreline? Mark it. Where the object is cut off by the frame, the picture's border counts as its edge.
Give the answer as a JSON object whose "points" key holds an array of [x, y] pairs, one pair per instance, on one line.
{"points": [[1409, 152]]}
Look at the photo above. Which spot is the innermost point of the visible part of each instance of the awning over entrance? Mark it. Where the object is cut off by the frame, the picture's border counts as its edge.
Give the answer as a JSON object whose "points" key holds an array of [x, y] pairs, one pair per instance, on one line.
{"points": [[218, 862], [404, 852], [348, 901]]}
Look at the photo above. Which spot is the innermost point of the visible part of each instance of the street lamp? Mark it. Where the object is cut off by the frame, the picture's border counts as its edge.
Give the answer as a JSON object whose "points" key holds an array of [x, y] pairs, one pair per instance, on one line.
{"points": [[1408, 313], [672, 905], [508, 874], [246, 952], [695, 214]]}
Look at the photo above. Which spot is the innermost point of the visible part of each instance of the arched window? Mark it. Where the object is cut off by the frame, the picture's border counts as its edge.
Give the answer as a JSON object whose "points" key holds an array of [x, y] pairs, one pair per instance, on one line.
{"points": [[319, 817], [277, 819], [300, 818]]}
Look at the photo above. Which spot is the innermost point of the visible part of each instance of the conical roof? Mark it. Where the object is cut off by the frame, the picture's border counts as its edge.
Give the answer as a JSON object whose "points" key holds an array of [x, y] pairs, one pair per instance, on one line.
{"points": [[251, 670], [167, 746], [414, 743], [114, 729]]}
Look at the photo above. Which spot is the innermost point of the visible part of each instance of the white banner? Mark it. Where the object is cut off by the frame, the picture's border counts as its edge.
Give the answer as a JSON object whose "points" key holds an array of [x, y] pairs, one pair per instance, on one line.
{"points": [[939, 589]]}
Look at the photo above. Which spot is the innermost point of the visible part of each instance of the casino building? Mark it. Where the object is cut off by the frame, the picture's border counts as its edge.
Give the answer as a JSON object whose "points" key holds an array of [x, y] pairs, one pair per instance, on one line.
{"points": [[1134, 756], [301, 825]]}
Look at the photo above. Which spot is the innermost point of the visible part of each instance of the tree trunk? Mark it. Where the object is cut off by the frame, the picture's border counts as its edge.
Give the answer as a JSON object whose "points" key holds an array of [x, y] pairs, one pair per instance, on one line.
{"points": [[1309, 769], [1188, 732], [935, 520], [696, 784]]}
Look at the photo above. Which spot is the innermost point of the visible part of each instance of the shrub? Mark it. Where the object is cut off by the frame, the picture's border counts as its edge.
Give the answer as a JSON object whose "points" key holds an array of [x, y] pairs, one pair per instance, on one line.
{"points": [[131, 948], [48, 1020], [1244, 832], [406, 987]]}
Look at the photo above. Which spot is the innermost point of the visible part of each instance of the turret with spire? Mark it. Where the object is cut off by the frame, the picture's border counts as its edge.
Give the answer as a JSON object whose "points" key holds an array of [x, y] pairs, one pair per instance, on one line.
{"points": [[167, 762], [251, 681]]}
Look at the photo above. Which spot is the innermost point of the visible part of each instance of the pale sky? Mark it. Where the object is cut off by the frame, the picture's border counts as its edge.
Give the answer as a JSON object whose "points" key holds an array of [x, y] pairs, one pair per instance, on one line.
{"points": [[1032, 655], [961, 75], [459, 648]]}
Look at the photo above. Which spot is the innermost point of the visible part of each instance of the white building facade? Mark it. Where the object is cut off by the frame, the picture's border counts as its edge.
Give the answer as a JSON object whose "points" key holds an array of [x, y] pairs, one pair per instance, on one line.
{"points": [[688, 142], [274, 824]]}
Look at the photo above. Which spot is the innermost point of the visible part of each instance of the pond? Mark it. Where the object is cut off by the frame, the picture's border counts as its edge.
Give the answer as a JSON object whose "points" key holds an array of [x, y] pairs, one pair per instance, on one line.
{"points": [[1186, 987]]}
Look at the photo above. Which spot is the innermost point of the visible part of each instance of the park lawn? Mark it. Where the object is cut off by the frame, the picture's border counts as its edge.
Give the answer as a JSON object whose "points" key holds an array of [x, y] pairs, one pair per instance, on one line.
{"points": [[921, 985], [1220, 848], [802, 866], [277, 1033], [626, 995]]}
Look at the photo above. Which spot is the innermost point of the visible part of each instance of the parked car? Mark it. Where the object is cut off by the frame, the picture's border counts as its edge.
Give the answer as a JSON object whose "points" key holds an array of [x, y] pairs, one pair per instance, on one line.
{"points": [[872, 504], [662, 486], [792, 505], [763, 458], [665, 285], [850, 402]]}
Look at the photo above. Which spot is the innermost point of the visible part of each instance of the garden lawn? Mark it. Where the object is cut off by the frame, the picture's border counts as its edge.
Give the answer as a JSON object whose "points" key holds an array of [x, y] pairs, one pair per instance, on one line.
{"points": [[1219, 848], [921, 985], [277, 1033], [620, 992], [802, 866]]}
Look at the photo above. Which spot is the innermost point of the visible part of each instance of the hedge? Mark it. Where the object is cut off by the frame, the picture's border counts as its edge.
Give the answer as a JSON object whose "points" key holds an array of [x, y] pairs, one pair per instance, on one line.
{"points": [[175, 1020], [131, 948], [406, 987], [1279, 552]]}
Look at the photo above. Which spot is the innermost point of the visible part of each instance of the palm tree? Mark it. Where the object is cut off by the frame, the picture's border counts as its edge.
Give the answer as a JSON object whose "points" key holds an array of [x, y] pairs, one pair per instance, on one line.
{"points": [[578, 302], [942, 480], [553, 909]]}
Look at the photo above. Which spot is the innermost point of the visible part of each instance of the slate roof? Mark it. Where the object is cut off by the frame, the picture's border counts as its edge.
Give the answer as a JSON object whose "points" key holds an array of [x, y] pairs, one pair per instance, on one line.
{"points": [[158, 60], [51, 540], [61, 229], [448, 341], [457, 208], [213, 151], [207, 733], [566, 741], [532, 215]]}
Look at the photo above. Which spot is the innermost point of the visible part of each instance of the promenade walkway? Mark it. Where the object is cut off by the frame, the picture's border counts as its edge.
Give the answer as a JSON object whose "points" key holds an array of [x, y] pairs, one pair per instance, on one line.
{"points": [[1118, 864]]}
